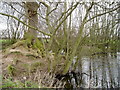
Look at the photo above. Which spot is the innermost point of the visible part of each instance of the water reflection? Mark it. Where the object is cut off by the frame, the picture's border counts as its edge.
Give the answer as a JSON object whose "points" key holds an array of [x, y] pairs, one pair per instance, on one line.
{"points": [[101, 72]]}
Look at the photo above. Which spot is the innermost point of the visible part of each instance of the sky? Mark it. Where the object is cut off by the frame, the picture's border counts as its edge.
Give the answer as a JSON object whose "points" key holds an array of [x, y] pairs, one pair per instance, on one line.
{"points": [[3, 19], [3, 24], [63, 0]]}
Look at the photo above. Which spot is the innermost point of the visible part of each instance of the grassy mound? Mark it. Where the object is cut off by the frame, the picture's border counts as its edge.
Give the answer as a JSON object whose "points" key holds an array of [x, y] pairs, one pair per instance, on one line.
{"points": [[21, 67]]}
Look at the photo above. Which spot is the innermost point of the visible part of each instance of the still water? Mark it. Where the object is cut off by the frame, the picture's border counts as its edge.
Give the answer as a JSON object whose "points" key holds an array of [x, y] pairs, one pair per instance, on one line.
{"points": [[98, 72]]}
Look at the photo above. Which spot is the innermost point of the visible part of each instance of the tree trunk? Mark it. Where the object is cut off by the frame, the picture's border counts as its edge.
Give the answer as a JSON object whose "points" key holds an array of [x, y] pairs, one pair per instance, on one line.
{"points": [[31, 11]]}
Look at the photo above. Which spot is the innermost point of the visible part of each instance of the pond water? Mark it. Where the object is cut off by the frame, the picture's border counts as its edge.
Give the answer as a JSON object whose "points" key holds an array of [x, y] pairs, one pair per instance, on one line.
{"points": [[98, 72]]}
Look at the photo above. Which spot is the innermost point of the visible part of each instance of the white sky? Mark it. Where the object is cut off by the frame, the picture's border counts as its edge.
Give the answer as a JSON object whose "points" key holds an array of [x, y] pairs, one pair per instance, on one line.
{"points": [[3, 24], [3, 19], [63, 0]]}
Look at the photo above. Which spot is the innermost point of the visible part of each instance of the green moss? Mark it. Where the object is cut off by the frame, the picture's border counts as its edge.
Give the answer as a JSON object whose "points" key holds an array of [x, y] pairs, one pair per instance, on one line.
{"points": [[16, 52], [11, 69], [31, 56], [39, 46], [34, 43]]}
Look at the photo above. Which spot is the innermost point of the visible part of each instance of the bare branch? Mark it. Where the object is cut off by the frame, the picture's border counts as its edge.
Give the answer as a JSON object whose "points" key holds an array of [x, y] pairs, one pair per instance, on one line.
{"points": [[102, 14], [26, 24], [53, 9], [65, 17]]}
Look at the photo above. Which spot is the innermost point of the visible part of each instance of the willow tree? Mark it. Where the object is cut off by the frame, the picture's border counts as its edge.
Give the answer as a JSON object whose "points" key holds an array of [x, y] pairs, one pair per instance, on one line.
{"points": [[31, 12], [31, 34]]}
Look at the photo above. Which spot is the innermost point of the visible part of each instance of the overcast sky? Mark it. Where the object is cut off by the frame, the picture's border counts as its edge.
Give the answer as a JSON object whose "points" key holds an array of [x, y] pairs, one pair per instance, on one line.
{"points": [[3, 19], [3, 24]]}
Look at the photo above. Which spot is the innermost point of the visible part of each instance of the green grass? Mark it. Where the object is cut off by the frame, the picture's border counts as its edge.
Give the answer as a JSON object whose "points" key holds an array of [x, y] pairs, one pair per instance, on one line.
{"points": [[4, 43], [9, 83], [4, 40]]}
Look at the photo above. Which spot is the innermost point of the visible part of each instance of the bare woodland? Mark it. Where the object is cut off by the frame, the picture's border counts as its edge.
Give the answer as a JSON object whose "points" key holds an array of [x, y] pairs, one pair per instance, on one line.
{"points": [[49, 40]]}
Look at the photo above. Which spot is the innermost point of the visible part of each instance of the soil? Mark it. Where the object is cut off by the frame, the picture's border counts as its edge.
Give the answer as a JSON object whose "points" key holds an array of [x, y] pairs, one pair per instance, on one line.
{"points": [[23, 61], [20, 63]]}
